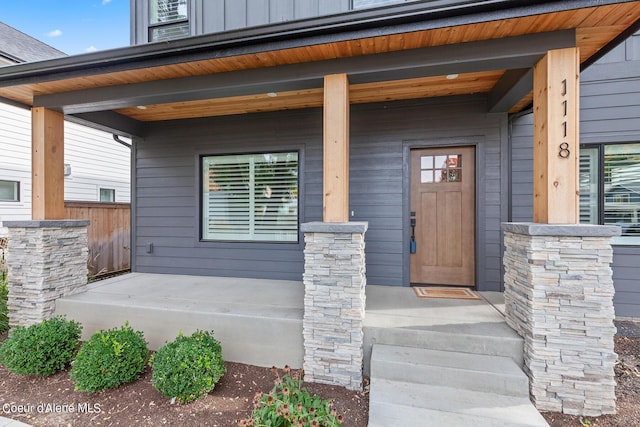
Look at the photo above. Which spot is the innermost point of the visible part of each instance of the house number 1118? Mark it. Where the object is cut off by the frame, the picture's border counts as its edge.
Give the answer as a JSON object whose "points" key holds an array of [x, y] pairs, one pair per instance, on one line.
{"points": [[564, 147]]}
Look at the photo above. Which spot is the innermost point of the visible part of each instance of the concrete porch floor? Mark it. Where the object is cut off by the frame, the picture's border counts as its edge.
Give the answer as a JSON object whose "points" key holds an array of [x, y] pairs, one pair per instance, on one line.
{"points": [[259, 322]]}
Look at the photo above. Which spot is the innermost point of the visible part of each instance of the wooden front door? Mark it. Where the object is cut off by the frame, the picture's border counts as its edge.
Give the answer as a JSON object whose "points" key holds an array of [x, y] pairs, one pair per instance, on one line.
{"points": [[443, 199]]}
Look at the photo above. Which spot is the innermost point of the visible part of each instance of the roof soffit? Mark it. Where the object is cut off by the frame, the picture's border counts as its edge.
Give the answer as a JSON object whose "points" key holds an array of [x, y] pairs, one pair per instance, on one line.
{"points": [[595, 23], [498, 54]]}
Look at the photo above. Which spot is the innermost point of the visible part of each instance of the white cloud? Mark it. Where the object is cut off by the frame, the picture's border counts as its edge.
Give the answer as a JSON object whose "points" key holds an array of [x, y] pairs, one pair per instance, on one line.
{"points": [[105, 2], [91, 48], [54, 33]]}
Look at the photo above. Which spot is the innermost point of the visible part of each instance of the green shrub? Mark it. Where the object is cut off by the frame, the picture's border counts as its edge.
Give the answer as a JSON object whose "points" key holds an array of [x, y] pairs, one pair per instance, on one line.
{"points": [[189, 367], [290, 404], [41, 349], [4, 312], [108, 359]]}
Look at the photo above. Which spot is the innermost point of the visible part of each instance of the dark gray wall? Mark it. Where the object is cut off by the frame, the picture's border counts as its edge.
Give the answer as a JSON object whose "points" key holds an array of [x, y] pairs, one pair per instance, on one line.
{"points": [[609, 112], [214, 16], [167, 191], [168, 201]]}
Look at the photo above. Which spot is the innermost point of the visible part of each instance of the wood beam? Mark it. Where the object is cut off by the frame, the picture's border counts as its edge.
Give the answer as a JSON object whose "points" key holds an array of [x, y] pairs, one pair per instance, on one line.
{"points": [[556, 105], [335, 203], [512, 87], [110, 121], [522, 51], [47, 164]]}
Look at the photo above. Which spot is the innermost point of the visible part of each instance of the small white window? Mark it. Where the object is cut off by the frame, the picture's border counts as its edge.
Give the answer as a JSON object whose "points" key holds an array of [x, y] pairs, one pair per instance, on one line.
{"points": [[107, 195], [9, 191]]}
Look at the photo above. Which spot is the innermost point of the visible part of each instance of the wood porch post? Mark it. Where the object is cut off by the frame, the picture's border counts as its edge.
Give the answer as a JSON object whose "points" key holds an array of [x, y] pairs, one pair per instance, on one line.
{"points": [[47, 164], [335, 201], [556, 104]]}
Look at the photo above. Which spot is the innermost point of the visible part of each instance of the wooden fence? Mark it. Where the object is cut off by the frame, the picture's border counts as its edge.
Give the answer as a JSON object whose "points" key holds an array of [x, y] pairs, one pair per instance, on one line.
{"points": [[108, 234]]}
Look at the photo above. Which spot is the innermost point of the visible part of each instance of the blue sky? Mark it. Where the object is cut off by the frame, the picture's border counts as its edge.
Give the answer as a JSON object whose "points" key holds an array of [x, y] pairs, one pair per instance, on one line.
{"points": [[72, 26]]}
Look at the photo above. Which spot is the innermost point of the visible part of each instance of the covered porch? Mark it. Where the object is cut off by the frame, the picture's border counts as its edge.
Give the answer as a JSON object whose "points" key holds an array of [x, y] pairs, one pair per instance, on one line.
{"points": [[260, 322], [190, 98]]}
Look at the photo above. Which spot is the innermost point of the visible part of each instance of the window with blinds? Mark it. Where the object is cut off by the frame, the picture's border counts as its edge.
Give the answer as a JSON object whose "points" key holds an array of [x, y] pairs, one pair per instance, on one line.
{"points": [[610, 186], [250, 197], [622, 187], [168, 19]]}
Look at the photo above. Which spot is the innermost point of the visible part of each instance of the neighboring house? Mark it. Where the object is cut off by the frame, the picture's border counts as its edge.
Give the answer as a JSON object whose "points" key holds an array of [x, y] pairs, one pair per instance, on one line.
{"points": [[609, 162], [97, 168], [228, 127]]}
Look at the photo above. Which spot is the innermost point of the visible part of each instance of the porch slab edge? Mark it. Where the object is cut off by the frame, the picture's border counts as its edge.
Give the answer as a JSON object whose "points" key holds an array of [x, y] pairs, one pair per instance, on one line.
{"points": [[334, 227], [583, 230], [63, 223]]}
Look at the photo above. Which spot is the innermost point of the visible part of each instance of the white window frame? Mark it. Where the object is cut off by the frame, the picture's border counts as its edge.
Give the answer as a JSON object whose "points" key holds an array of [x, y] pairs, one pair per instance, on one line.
{"points": [[112, 193], [16, 190], [243, 210]]}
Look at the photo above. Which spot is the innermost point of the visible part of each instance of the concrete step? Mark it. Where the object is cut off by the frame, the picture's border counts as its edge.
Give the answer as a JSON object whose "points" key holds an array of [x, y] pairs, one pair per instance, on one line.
{"points": [[398, 403], [386, 415], [494, 374], [475, 339]]}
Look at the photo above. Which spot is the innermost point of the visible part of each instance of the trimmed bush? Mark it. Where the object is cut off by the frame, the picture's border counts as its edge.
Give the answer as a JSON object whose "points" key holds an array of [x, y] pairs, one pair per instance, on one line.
{"points": [[4, 311], [189, 367], [290, 404], [41, 349], [109, 359]]}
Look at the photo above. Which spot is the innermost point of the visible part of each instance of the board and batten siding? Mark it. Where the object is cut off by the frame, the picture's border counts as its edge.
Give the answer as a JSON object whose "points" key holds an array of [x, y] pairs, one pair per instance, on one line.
{"points": [[609, 113], [214, 16], [217, 16], [96, 160], [167, 187]]}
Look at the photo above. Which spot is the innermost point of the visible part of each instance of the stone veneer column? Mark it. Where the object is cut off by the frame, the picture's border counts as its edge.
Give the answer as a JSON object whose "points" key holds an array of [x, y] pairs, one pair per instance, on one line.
{"points": [[46, 261], [334, 302], [559, 298]]}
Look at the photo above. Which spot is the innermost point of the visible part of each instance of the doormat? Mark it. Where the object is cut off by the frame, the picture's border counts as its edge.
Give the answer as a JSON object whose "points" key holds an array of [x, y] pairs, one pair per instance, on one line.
{"points": [[445, 292]]}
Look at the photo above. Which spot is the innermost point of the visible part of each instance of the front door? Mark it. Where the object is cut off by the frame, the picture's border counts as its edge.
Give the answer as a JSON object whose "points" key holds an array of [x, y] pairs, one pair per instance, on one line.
{"points": [[443, 199]]}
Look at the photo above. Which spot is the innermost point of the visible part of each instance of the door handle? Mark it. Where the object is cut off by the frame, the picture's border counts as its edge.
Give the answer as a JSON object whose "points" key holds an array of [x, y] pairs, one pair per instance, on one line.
{"points": [[412, 243]]}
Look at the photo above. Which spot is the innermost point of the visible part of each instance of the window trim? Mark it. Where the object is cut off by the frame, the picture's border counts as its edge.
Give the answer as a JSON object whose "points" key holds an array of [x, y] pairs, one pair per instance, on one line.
{"points": [[618, 240], [243, 243], [17, 191], [113, 192], [155, 25]]}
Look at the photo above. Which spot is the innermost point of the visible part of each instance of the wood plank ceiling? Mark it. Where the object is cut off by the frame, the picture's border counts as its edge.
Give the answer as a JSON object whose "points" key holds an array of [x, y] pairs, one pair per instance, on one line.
{"points": [[595, 27]]}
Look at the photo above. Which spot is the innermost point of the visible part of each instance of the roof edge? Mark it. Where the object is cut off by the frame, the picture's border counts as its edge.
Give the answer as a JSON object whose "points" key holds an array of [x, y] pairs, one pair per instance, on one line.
{"points": [[289, 35]]}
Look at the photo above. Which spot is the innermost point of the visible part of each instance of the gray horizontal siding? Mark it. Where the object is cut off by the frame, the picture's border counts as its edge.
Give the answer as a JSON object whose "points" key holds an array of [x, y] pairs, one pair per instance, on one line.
{"points": [[609, 112], [167, 200], [167, 195], [378, 133], [626, 277]]}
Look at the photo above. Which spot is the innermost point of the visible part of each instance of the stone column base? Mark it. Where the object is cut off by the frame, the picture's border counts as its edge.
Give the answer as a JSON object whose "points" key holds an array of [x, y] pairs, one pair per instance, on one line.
{"points": [[334, 303], [46, 261], [559, 298]]}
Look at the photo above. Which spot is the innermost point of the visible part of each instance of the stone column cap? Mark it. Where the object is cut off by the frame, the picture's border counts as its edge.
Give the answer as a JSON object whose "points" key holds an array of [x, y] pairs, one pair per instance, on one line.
{"points": [[334, 227], [57, 223], [578, 230]]}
